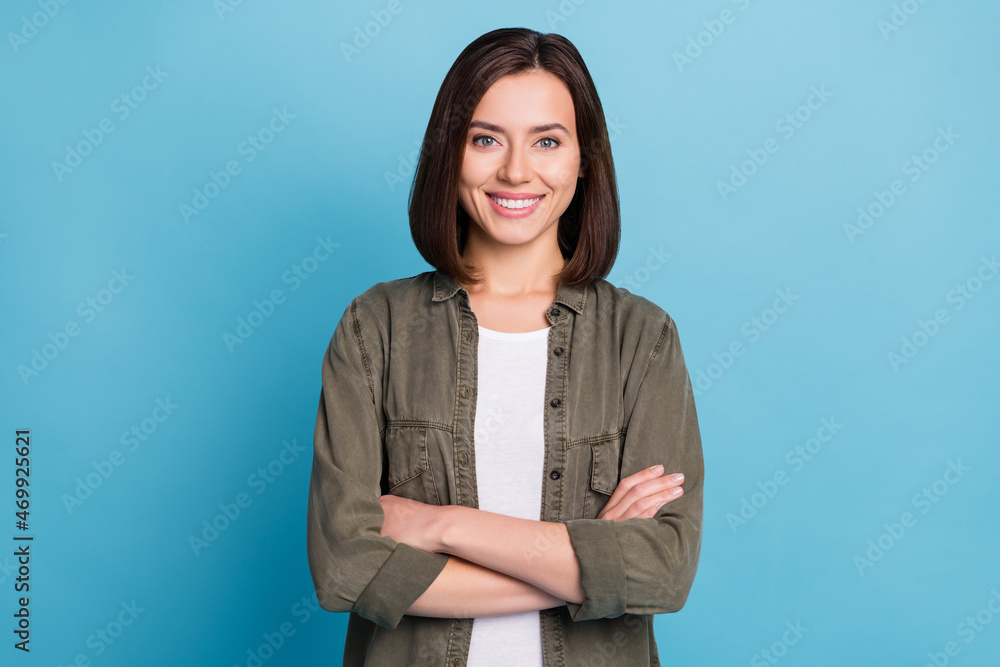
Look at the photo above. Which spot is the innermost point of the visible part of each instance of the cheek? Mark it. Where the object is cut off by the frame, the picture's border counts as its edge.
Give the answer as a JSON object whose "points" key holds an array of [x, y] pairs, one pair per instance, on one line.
{"points": [[565, 175], [476, 169], [467, 185]]}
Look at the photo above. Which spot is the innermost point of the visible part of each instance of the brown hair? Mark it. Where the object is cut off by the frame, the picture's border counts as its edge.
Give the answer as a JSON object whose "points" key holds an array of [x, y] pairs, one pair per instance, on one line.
{"points": [[589, 230]]}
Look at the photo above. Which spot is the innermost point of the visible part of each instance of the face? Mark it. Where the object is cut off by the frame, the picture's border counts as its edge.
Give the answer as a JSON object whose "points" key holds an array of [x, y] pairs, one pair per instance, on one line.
{"points": [[522, 149]]}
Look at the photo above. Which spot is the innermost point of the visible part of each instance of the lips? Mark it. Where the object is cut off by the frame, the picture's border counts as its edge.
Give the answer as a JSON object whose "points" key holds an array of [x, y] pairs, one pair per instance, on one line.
{"points": [[503, 194], [514, 201], [514, 204]]}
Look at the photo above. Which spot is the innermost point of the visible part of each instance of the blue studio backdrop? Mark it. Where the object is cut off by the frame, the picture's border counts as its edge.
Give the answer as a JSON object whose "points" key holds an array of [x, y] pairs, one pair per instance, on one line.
{"points": [[192, 192]]}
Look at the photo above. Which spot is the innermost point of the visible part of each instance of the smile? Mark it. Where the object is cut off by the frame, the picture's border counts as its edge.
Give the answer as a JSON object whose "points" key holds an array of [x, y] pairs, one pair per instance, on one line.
{"points": [[515, 204]]}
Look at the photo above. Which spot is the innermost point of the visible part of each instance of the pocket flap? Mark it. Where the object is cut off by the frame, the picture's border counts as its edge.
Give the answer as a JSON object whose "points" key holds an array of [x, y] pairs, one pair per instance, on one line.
{"points": [[604, 470], [406, 450]]}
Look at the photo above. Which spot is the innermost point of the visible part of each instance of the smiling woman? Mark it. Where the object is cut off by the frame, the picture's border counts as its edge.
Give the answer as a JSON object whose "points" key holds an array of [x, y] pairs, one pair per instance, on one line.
{"points": [[517, 154], [507, 460]]}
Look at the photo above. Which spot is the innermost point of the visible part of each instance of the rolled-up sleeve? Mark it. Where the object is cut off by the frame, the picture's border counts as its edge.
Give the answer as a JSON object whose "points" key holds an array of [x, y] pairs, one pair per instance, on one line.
{"points": [[648, 565], [353, 567]]}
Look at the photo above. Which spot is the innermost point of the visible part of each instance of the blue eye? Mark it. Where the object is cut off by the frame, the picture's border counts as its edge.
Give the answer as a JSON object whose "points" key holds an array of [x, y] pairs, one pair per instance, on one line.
{"points": [[554, 144]]}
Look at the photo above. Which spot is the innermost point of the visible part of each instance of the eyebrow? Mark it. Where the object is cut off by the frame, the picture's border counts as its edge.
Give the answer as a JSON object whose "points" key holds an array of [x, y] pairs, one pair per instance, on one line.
{"points": [[535, 130]]}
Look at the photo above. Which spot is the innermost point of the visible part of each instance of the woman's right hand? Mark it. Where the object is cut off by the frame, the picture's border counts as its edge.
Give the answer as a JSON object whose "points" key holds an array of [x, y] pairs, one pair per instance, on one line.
{"points": [[642, 494]]}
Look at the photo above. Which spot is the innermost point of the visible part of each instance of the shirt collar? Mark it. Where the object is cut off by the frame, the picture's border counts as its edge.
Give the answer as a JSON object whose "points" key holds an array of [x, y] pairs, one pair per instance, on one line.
{"points": [[571, 296]]}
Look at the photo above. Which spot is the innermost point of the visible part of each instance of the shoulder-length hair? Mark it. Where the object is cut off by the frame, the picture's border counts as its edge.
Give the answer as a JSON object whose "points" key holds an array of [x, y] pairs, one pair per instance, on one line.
{"points": [[588, 231]]}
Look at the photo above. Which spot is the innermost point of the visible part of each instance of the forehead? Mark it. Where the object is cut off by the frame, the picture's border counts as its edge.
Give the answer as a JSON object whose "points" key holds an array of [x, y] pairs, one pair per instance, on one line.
{"points": [[527, 99]]}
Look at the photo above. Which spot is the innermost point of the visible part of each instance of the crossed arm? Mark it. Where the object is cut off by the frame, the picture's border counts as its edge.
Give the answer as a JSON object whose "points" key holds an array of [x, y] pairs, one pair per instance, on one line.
{"points": [[502, 564], [452, 561]]}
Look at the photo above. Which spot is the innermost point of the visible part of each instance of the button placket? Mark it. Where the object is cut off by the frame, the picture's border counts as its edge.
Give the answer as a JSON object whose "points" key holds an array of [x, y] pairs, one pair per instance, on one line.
{"points": [[460, 633], [464, 433], [555, 420]]}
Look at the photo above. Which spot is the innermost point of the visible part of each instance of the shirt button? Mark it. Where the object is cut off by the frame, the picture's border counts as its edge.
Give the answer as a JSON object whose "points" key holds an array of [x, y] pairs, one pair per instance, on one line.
{"points": [[468, 335], [555, 402], [463, 459], [556, 312], [558, 351], [555, 474]]}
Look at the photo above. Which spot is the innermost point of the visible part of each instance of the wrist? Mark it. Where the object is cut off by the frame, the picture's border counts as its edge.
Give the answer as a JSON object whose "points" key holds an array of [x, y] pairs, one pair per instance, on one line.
{"points": [[443, 527]]}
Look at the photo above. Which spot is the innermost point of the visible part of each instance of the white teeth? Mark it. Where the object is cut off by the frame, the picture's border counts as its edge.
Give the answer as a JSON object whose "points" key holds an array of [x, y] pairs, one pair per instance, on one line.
{"points": [[515, 203]]}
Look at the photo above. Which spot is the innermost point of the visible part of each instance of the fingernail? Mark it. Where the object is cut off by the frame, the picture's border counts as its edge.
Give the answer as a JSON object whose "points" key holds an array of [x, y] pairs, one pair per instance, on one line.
{"points": [[657, 469], [677, 477], [661, 505]]}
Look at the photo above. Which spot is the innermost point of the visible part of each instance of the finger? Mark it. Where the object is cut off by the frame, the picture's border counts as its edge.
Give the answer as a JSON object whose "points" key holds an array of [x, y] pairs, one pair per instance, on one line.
{"points": [[669, 496], [630, 489], [648, 505], [627, 483], [645, 492]]}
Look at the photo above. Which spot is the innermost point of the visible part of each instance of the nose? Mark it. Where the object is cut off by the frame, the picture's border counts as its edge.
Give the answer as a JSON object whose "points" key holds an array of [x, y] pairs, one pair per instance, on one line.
{"points": [[516, 167]]}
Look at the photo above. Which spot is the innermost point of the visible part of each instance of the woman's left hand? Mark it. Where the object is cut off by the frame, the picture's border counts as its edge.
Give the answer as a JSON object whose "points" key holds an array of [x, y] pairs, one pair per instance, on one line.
{"points": [[411, 521]]}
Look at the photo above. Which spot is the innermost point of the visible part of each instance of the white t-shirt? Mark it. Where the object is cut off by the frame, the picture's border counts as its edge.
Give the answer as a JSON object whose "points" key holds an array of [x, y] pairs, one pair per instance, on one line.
{"points": [[510, 457]]}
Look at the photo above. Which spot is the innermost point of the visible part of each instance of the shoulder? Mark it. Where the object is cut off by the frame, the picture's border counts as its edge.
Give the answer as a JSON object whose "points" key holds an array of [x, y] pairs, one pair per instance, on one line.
{"points": [[640, 326], [645, 330], [370, 317], [630, 310], [382, 297]]}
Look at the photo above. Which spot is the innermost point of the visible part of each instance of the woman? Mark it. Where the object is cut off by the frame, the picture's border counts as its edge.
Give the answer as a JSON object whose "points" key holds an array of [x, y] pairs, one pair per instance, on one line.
{"points": [[510, 384]]}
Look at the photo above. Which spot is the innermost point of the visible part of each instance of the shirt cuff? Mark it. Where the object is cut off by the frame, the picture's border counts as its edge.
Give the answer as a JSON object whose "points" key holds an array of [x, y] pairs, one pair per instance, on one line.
{"points": [[404, 576], [602, 569]]}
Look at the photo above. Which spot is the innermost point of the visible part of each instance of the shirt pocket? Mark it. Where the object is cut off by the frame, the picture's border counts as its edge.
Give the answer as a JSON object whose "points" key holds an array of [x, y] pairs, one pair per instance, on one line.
{"points": [[409, 474], [603, 474]]}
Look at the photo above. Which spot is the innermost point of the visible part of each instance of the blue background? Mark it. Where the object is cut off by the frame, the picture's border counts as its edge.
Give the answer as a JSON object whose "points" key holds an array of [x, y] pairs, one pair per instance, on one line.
{"points": [[339, 170]]}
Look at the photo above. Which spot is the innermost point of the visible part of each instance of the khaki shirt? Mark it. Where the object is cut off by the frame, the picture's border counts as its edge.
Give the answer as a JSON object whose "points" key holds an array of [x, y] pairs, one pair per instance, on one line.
{"points": [[396, 415]]}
